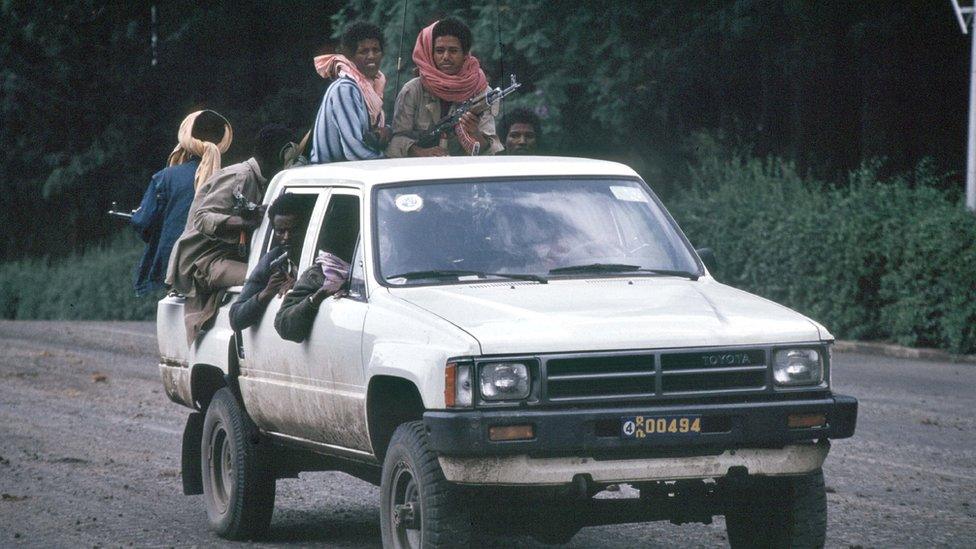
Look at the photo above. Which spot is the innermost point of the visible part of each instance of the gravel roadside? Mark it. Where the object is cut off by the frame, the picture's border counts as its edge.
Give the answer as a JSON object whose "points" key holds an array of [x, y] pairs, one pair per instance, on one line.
{"points": [[89, 456]]}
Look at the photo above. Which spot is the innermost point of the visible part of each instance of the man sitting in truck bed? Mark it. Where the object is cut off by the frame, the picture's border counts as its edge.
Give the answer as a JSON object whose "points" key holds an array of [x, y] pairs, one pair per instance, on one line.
{"points": [[276, 271], [208, 257], [350, 124]]}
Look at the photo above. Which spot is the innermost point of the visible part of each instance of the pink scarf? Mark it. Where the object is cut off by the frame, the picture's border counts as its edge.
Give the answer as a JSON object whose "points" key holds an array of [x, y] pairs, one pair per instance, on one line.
{"points": [[464, 85], [469, 82], [334, 66]]}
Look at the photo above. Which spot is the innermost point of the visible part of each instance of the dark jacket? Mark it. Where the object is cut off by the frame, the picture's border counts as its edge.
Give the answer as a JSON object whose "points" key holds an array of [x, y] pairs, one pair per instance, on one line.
{"points": [[247, 310], [160, 220], [296, 315]]}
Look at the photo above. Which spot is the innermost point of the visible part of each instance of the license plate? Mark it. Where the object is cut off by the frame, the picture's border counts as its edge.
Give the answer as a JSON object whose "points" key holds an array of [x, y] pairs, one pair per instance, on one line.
{"points": [[659, 426]]}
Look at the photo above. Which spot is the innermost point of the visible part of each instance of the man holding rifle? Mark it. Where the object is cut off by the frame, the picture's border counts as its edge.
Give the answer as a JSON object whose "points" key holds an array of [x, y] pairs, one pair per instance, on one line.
{"points": [[161, 216], [208, 257], [449, 75]]}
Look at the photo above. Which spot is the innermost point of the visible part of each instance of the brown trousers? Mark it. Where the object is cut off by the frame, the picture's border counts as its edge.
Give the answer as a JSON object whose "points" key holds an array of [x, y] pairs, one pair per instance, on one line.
{"points": [[210, 286]]}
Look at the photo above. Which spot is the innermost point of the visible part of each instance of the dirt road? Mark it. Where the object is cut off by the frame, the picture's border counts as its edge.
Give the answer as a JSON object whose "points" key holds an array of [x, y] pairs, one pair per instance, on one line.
{"points": [[89, 456]]}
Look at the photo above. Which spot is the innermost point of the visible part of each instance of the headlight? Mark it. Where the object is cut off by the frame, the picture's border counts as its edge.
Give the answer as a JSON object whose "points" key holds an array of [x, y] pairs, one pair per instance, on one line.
{"points": [[797, 367], [504, 381]]}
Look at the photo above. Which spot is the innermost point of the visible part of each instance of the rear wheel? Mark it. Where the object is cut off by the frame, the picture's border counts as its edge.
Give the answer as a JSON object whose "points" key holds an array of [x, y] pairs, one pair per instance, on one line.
{"points": [[778, 512], [418, 506], [238, 484]]}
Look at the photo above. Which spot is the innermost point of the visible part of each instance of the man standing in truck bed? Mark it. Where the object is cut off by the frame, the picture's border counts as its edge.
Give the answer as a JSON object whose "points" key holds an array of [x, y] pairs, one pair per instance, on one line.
{"points": [[207, 258], [203, 137]]}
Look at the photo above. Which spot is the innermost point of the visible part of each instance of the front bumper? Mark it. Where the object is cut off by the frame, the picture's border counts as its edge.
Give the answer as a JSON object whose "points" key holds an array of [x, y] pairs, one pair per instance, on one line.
{"points": [[523, 470], [595, 433]]}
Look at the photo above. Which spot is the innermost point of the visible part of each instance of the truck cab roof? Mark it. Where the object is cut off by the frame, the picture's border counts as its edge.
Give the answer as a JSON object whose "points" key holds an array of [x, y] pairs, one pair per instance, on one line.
{"points": [[367, 173]]}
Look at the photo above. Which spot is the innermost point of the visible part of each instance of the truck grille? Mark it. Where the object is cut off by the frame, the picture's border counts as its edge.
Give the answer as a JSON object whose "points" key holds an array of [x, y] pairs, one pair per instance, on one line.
{"points": [[650, 375]]}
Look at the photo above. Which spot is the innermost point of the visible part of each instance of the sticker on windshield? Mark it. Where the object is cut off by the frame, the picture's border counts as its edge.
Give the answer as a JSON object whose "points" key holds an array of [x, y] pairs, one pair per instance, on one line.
{"points": [[409, 202], [628, 194]]}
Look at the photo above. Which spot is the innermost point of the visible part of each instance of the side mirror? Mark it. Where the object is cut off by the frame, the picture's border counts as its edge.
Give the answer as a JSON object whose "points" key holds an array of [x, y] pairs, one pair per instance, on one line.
{"points": [[707, 256]]}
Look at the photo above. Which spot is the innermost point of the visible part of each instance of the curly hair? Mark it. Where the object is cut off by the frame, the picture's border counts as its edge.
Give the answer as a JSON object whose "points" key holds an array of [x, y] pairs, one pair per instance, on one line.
{"points": [[518, 116], [357, 32], [289, 204], [452, 26]]}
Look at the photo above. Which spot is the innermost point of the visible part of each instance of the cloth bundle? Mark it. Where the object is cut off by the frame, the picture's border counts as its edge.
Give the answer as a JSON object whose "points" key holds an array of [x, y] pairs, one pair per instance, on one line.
{"points": [[464, 85], [336, 270], [209, 153]]}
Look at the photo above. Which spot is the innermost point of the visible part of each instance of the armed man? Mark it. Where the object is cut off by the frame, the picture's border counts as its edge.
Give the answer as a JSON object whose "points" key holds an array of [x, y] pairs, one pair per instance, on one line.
{"points": [[277, 269], [449, 74], [211, 255], [161, 216]]}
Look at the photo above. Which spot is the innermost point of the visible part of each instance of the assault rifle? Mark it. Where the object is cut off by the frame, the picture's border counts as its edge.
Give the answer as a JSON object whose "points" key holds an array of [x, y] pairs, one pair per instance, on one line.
{"points": [[477, 104], [119, 213], [243, 208]]}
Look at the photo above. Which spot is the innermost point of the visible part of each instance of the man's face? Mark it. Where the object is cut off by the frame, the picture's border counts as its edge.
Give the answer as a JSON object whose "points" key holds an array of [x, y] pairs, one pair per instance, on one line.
{"points": [[521, 139], [287, 233], [448, 55], [368, 56]]}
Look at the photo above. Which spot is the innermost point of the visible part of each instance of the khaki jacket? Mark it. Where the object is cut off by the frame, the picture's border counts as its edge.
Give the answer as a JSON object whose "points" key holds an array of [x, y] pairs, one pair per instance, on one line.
{"points": [[417, 110], [204, 264], [200, 245]]}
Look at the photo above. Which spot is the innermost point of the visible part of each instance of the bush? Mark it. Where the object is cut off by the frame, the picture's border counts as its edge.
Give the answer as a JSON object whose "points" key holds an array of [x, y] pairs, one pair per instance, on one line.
{"points": [[94, 285], [877, 258]]}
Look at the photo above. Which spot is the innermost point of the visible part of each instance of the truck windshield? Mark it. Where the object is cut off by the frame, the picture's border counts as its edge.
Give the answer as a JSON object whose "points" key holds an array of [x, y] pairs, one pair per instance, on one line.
{"points": [[525, 229]]}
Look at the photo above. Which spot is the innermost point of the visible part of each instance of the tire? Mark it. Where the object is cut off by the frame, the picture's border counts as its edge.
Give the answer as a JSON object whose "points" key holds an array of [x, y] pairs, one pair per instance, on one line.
{"points": [[412, 477], [238, 484], [778, 513]]}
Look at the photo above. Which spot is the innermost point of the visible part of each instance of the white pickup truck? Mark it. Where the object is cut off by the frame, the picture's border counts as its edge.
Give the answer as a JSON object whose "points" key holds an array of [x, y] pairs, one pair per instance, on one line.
{"points": [[516, 335]]}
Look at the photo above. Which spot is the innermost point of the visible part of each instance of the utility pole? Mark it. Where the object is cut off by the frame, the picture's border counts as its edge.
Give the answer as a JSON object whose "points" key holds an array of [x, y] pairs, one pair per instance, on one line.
{"points": [[961, 16]]}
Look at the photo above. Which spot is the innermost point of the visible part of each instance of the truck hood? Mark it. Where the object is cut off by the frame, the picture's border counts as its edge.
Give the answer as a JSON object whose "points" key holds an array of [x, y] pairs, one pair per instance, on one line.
{"points": [[606, 314]]}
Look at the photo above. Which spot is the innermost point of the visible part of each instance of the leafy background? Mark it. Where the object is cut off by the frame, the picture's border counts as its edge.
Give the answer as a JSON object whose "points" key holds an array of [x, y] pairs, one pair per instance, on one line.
{"points": [[817, 147]]}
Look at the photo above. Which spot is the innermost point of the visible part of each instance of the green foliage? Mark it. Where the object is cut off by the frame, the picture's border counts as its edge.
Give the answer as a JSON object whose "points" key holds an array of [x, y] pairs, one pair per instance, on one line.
{"points": [[94, 285], [890, 259]]}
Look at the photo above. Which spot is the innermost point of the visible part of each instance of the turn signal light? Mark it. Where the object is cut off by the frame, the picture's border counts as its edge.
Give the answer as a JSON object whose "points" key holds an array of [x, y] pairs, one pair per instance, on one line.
{"points": [[500, 433], [801, 421], [450, 384]]}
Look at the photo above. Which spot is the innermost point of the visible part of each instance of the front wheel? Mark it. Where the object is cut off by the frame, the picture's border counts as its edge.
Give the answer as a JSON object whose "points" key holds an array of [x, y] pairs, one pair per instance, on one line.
{"points": [[418, 506], [238, 484], [778, 512]]}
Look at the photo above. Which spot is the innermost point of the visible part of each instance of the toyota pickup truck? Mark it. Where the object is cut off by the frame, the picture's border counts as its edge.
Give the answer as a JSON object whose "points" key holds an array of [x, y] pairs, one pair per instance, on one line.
{"points": [[516, 335]]}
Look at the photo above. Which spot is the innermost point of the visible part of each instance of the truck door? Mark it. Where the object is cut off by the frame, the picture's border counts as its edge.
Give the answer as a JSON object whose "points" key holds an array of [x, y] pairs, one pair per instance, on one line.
{"points": [[332, 356], [318, 385], [269, 376]]}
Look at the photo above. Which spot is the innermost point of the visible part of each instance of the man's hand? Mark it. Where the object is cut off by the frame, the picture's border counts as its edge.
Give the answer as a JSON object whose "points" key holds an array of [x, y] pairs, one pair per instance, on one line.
{"points": [[273, 287], [416, 150], [249, 221], [329, 288], [383, 135], [469, 122], [235, 224]]}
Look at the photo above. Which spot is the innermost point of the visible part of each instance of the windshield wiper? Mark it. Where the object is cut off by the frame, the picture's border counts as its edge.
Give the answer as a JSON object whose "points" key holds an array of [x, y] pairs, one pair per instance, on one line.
{"points": [[620, 268], [457, 273]]}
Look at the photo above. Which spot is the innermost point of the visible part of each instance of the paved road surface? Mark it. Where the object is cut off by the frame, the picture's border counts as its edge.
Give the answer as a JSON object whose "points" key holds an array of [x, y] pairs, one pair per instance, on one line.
{"points": [[89, 456]]}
